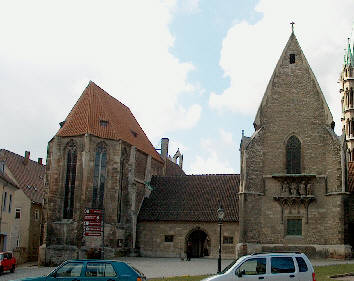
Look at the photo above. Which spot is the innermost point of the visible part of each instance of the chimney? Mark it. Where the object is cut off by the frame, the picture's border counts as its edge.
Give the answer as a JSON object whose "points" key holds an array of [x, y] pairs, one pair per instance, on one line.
{"points": [[164, 148], [27, 157], [40, 160]]}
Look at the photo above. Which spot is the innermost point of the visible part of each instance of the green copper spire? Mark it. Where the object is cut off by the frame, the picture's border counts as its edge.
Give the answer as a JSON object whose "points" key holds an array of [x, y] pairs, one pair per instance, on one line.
{"points": [[348, 58]]}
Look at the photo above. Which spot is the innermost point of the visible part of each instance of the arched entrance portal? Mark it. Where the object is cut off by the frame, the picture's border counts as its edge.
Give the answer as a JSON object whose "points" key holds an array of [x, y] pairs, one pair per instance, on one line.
{"points": [[199, 240]]}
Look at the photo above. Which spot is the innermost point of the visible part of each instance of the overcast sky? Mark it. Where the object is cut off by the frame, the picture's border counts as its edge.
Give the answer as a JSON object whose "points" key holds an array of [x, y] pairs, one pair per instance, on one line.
{"points": [[194, 71]]}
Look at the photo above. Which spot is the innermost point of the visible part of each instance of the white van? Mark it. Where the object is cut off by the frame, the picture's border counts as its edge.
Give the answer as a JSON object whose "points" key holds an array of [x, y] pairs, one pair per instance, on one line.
{"points": [[268, 266]]}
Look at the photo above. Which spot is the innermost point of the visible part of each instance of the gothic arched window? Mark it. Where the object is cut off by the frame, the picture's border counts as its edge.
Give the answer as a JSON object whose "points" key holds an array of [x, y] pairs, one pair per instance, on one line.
{"points": [[99, 176], [71, 159], [293, 156]]}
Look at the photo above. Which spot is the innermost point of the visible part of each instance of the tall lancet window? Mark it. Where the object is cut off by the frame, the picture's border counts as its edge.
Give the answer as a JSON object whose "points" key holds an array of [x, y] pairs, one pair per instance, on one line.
{"points": [[293, 156], [71, 159], [99, 176]]}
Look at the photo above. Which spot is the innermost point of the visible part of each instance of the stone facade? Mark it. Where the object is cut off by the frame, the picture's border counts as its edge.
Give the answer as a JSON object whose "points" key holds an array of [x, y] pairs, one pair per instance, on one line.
{"points": [[151, 238], [271, 197], [128, 169]]}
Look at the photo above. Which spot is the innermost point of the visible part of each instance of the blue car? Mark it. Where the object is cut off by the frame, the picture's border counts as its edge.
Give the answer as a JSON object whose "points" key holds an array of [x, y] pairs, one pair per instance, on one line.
{"points": [[92, 270]]}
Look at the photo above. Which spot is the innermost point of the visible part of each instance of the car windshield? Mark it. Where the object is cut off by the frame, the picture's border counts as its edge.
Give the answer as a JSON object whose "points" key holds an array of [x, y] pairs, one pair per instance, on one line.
{"points": [[1, 257], [235, 262]]}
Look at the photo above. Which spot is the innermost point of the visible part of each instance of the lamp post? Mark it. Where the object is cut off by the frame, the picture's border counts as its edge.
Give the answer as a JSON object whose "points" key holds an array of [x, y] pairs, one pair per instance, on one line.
{"points": [[221, 215]]}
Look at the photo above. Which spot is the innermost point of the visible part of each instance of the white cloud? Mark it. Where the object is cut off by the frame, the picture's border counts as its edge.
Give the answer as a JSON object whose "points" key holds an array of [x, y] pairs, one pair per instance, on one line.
{"points": [[214, 160], [250, 52], [226, 137], [51, 49]]}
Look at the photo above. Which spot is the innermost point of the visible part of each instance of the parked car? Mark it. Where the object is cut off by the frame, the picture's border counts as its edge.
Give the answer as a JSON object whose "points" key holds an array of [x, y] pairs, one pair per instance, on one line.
{"points": [[7, 262], [268, 266], [91, 270]]}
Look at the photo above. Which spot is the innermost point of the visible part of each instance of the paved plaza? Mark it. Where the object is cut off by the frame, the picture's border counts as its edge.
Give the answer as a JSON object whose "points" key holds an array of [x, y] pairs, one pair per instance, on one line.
{"points": [[155, 267]]}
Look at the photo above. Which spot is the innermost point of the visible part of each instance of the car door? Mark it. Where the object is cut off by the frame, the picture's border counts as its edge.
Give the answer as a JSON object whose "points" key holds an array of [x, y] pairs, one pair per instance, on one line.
{"points": [[283, 268], [252, 269], [100, 271], [69, 271], [304, 272], [6, 262]]}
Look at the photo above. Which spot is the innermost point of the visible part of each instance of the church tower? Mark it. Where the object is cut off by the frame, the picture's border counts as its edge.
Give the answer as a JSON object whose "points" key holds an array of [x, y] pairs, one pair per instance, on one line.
{"points": [[291, 186], [346, 89]]}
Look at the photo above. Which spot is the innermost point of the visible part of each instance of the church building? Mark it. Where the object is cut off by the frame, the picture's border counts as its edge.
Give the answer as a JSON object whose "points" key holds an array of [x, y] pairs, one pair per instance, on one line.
{"points": [[295, 190]]}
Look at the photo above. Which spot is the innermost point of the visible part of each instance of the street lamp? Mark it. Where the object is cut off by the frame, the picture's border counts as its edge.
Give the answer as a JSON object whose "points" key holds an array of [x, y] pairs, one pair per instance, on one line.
{"points": [[221, 215]]}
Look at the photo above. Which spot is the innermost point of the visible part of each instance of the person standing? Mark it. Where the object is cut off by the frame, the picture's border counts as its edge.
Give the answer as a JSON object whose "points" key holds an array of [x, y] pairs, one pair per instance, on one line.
{"points": [[189, 250]]}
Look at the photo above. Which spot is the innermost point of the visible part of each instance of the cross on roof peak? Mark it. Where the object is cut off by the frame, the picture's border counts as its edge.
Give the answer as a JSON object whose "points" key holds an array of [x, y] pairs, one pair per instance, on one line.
{"points": [[292, 26]]}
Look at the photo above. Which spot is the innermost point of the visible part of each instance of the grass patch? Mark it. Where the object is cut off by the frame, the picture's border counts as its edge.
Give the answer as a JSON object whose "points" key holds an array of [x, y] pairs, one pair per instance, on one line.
{"points": [[322, 273]]}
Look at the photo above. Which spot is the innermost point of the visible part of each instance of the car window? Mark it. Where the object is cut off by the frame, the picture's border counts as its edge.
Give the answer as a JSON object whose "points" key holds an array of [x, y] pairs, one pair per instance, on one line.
{"points": [[9, 255], [282, 265], [302, 264], [254, 266], [70, 269], [1, 257], [99, 269]]}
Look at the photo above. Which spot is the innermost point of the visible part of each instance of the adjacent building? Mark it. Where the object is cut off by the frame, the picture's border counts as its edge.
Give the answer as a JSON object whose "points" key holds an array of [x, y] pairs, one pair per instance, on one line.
{"points": [[23, 208]]}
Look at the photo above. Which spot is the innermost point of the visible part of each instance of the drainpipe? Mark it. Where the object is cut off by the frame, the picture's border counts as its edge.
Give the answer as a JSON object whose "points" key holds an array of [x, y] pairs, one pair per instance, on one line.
{"points": [[2, 202]]}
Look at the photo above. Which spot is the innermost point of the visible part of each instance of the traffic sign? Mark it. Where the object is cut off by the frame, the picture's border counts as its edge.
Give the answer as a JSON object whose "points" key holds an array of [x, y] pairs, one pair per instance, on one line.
{"points": [[93, 223], [94, 211], [93, 233], [93, 218], [93, 228]]}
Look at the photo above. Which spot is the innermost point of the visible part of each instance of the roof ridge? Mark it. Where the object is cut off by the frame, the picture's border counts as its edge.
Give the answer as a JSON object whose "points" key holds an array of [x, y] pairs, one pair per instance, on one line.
{"points": [[18, 155]]}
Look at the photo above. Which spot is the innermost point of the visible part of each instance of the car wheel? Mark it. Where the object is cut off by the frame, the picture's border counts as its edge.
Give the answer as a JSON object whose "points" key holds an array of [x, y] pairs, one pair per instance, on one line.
{"points": [[12, 270]]}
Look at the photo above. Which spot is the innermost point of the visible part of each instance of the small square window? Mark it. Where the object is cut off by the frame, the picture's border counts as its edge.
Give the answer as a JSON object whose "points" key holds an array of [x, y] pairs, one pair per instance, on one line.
{"points": [[168, 238], [228, 240], [120, 243], [103, 123], [292, 58], [294, 227]]}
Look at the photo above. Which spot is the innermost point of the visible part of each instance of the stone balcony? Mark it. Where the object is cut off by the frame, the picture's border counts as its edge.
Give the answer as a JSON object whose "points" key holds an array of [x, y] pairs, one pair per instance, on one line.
{"points": [[295, 190]]}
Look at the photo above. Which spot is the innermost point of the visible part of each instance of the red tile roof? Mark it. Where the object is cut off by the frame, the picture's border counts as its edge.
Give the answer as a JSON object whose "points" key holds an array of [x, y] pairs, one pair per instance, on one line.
{"points": [[351, 176], [99, 114], [191, 198], [29, 177]]}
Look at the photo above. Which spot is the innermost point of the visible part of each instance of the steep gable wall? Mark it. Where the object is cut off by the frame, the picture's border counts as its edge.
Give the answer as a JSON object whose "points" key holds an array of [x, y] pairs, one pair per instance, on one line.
{"points": [[293, 105]]}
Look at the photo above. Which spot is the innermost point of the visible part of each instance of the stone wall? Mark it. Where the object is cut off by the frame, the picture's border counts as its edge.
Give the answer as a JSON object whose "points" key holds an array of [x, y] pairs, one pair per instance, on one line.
{"points": [[151, 238], [293, 105], [127, 170]]}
